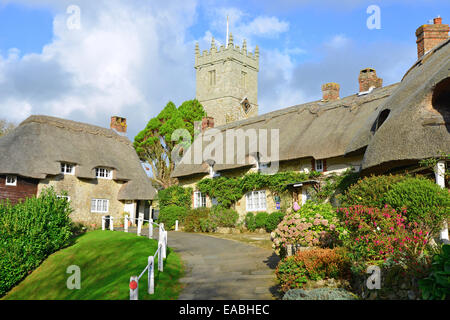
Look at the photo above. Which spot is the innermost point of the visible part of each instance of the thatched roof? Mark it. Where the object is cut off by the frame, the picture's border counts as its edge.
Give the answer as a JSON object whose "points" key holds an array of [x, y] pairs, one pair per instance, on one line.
{"points": [[317, 129], [416, 127], [39, 144]]}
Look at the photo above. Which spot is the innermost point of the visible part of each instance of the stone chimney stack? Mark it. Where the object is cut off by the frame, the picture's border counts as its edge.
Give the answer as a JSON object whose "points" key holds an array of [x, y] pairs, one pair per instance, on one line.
{"points": [[207, 123], [330, 91], [430, 35], [368, 79], [119, 124]]}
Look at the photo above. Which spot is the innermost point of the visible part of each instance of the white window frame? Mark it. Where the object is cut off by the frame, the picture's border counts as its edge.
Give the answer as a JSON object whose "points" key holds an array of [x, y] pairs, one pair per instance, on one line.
{"points": [[67, 168], [256, 201], [103, 173], [318, 165], [12, 183], [99, 205], [199, 200]]}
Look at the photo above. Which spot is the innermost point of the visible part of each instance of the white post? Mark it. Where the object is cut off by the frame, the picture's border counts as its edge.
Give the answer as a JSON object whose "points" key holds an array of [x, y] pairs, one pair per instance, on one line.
{"points": [[125, 223], [160, 259], [164, 245], [140, 221], [134, 288], [439, 171], [111, 223], [103, 222], [176, 225], [150, 228], [151, 275]]}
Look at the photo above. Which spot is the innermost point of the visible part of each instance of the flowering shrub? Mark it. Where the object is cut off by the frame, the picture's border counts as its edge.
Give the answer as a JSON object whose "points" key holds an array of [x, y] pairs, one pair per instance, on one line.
{"points": [[315, 264], [307, 229], [377, 235]]}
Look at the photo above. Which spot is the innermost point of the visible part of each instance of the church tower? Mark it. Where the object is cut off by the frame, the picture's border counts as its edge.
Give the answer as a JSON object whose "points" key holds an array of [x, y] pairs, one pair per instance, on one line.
{"points": [[227, 81]]}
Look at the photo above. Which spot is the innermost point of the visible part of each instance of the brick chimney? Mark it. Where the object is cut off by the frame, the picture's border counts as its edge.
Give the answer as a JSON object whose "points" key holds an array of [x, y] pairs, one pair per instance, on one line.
{"points": [[207, 122], [119, 124], [430, 35], [368, 78], [330, 91]]}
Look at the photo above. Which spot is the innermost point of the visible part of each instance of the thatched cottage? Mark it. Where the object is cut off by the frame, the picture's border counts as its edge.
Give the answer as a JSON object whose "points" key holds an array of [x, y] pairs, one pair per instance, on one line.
{"points": [[377, 130], [96, 168]]}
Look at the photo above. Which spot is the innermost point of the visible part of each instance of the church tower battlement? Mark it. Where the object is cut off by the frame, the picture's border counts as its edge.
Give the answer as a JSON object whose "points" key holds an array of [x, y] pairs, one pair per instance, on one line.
{"points": [[227, 81]]}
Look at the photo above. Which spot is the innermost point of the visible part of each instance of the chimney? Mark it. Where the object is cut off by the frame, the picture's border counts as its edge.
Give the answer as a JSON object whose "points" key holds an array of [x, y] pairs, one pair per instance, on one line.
{"points": [[368, 79], [330, 91], [119, 125], [207, 122], [430, 35]]}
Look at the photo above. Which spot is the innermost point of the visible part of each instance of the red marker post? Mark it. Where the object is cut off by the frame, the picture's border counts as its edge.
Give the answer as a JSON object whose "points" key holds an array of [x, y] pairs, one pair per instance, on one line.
{"points": [[134, 287]]}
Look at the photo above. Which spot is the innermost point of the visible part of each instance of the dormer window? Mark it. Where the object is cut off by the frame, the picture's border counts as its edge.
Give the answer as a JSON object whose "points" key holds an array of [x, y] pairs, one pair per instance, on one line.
{"points": [[67, 168], [11, 181], [319, 165], [103, 173]]}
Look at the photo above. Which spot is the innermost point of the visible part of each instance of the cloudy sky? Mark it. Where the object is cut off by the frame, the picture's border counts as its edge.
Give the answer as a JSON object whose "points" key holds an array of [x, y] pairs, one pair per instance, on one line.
{"points": [[130, 57]]}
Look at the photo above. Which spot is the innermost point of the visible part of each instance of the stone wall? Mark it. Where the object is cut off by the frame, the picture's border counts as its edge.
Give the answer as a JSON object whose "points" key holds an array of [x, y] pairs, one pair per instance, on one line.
{"points": [[81, 191]]}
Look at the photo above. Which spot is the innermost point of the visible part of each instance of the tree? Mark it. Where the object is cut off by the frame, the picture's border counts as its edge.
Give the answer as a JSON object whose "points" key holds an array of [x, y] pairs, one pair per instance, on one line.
{"points": [[5, 127], [154, 144]]}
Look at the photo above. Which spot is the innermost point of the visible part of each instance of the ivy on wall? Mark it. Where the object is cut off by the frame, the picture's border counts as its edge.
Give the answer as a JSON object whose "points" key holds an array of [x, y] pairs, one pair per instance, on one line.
{"points": [[228, 190]]}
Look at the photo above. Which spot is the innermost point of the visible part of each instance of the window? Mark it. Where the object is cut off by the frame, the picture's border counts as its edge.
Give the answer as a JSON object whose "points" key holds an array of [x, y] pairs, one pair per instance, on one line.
{"points": [[99, 205], [212, 77], [256, 200], [319, 165], [199, 199], [67, 168], [11, 180], [103, 173], [244, 80]]}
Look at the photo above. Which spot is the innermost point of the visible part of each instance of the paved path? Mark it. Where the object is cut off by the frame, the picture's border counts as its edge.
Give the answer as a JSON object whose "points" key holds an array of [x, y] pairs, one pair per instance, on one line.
{"points": [[220, 269]]}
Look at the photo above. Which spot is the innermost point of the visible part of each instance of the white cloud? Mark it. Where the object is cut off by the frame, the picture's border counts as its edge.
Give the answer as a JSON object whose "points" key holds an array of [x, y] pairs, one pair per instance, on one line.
{"points": [[264, 27]]}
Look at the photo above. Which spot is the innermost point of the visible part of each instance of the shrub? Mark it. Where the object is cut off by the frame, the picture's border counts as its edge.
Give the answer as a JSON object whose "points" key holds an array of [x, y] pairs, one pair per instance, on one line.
{"points": [[30, 231], [175, 196], [168, 215], [437, 285], [376, 235], [261, 219], [226, 218], [315, 264], [320, 294], [193, 218], [273, 220], [250, 222], [304, 228], [426, 202], [369, 191]]}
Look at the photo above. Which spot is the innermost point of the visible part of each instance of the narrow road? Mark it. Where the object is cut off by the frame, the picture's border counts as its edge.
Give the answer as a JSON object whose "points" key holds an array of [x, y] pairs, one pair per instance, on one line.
{"points": [[220, 269]]}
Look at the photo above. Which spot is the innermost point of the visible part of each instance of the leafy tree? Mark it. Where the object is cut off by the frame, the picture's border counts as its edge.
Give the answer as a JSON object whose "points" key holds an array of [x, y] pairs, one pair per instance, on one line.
{"points": [[154, 144], [5, 127]]}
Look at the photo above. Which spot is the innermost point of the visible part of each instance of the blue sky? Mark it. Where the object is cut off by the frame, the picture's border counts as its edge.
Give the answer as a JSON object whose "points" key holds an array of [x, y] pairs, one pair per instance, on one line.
{"points": [[129, 58]]}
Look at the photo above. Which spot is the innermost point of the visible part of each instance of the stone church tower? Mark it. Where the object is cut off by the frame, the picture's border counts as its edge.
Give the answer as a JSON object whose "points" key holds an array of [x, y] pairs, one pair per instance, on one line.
{"points": [[227, 81]]}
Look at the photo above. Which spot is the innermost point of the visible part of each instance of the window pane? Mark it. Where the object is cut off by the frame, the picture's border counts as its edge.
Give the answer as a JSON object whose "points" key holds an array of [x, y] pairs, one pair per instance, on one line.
{"points": [[93, 205]]}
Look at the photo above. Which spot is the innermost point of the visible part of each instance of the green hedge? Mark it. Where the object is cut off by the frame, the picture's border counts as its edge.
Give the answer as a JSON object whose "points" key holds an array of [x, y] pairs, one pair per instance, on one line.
{"points": [[175, 196], [29, 232], [168, 215]]}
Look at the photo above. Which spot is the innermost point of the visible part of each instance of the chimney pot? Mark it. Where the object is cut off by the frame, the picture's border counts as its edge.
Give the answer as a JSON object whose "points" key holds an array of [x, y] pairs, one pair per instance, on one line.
{"points": [[430, 35], [368, 78], [207, 122], [119, 124], [330, 91]]}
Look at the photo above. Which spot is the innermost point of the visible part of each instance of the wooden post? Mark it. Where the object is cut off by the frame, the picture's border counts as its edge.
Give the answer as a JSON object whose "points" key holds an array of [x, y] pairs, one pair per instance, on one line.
{"points": [[164, 245], [111, 223], [439, 171], [151, 275], [176, 225], [134, 288], [150, 228], [103, 222], [125, 223], [140, 221], [160, 259]]}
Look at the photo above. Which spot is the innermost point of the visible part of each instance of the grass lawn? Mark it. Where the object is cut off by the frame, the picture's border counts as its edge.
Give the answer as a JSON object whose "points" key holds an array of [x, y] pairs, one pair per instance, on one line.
{"points": [[106, 259]]}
